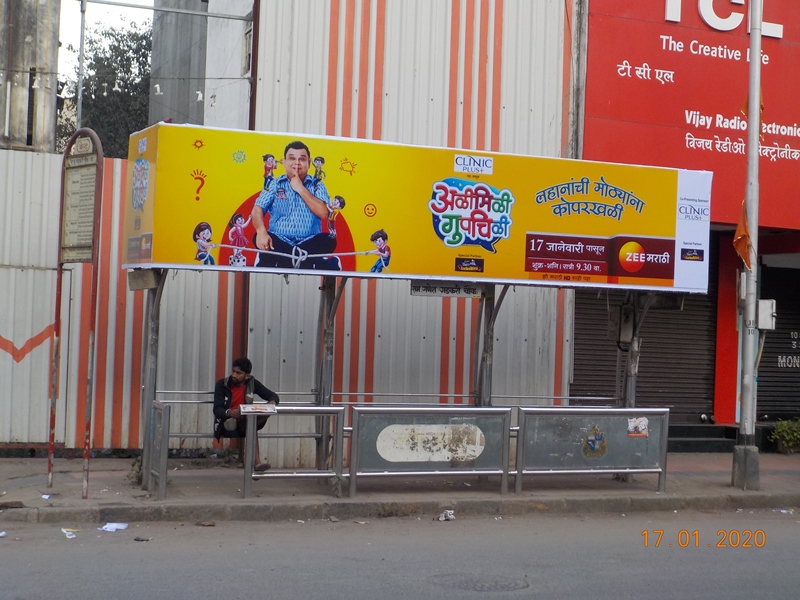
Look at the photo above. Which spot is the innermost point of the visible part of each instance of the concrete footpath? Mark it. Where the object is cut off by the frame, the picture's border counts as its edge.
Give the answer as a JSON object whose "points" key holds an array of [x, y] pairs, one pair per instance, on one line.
{"points": [[210, 490]]}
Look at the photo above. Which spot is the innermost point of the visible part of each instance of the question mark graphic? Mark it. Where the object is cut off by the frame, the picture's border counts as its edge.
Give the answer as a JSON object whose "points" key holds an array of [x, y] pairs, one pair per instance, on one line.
{"points": [[201, 177]]}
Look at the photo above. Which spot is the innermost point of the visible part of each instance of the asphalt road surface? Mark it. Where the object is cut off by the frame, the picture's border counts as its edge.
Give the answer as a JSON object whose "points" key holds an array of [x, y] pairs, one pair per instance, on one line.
{"points": [[535, 556]]}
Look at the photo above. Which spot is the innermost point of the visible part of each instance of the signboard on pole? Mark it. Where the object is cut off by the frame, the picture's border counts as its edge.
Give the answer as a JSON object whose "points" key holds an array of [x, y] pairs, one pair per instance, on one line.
{"points": [[373, 209], [78, 203]]}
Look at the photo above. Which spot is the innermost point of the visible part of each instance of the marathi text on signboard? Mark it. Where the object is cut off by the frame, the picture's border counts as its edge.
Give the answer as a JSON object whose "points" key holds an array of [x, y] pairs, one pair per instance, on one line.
{"points": [[77, 234]]}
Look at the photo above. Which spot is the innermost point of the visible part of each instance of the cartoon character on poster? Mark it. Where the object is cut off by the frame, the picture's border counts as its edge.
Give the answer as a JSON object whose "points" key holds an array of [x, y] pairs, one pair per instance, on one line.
{"points": [[319, 174], [238, 239], [202, 235], [334, 208], [270, 164], [380, 239]]}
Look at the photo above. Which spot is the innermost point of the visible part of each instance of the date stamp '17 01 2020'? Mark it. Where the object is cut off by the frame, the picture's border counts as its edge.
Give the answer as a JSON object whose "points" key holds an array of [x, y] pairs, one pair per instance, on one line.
{"points": [[725, 538]]}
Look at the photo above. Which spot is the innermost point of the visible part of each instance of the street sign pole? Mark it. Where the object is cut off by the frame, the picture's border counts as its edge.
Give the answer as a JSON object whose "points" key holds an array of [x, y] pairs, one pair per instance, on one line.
{"points": [[745, 453], [79, 226]]}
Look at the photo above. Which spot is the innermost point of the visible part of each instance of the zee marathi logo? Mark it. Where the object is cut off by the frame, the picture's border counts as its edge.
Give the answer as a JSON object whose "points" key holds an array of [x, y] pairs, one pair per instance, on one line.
{"points": [[463, 213]]}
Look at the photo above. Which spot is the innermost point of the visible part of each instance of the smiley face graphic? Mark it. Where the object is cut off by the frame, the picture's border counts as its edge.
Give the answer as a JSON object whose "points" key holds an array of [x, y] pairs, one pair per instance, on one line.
{"points": [[370, 210]]}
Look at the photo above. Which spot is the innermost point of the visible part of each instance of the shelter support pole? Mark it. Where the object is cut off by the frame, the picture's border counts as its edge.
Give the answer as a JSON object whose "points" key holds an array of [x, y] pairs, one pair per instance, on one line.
{"points": [[148, 394], [484, 397], [330, 300], [490, 310], [633, 372], [745, 473], [476, 352], [634, 352]]}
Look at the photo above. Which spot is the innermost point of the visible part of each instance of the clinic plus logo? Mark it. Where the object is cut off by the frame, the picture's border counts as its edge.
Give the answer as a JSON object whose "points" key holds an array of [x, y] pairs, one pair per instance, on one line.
{"points": [[730, 19]]}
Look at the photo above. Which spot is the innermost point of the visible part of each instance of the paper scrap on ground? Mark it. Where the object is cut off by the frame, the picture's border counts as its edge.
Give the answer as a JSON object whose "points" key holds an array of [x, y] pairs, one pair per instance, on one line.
{"points": [[46, 496], [113, 527], [2, 534], [69, 534]]}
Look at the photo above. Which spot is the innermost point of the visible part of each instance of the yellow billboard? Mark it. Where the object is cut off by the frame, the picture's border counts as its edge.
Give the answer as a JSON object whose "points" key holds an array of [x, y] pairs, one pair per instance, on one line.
{"points": [[203, 198]]}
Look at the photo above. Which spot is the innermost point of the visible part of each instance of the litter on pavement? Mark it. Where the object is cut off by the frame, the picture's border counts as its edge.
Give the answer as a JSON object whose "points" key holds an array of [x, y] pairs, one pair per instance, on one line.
{"points": [[69, 533], [113, 527], [447, 515]]}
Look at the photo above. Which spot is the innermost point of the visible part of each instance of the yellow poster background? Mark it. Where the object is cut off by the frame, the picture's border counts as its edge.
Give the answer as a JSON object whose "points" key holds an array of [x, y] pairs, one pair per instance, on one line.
{"points": [[180, 176]]}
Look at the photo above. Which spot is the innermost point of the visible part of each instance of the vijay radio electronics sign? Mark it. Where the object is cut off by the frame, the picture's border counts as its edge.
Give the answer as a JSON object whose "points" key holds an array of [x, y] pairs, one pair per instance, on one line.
{"points": [[201, 198], [667, 82]]}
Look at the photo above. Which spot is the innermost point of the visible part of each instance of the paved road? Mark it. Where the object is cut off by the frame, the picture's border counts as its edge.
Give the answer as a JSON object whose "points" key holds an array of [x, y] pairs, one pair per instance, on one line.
{"points": [[538, 556]]}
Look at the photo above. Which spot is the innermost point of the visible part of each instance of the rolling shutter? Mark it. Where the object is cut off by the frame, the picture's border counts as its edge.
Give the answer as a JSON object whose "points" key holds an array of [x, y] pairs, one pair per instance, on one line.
{"points": [[676, 369], [779, 370]]}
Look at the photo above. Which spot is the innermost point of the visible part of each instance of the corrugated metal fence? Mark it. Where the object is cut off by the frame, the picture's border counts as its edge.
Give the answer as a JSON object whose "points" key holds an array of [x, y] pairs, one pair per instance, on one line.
{"points": [[463, 73]]}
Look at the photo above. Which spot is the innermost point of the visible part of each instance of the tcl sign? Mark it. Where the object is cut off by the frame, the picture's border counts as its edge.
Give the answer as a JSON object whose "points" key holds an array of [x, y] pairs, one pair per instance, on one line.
{"points": [[728, 21]]}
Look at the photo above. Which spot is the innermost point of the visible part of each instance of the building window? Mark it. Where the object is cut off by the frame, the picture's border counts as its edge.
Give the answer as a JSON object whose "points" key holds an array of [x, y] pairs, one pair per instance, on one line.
{"points": [[248, 49], [33, 84]]}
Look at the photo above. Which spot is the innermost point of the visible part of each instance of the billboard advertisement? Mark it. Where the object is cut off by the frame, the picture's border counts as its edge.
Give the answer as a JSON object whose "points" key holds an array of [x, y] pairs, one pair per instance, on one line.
{"points": [[667, 84], [202, 198]]}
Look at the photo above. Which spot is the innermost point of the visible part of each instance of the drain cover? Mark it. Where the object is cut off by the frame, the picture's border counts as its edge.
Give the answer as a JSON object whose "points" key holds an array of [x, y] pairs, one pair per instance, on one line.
{"points": [[483, 583]]}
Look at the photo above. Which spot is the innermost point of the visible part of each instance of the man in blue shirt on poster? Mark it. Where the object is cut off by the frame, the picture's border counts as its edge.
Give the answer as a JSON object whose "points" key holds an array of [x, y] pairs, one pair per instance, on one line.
{"points": [[296, 203]]}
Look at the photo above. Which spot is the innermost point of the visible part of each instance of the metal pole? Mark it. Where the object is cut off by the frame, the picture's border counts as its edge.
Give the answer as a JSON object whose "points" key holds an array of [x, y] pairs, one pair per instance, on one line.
{"points": [[484, 397], [79, 109], [632, 372], [745, 455], [476, 351], [150, 369], [98, 203], [353, 455], [326, 384], [249, 455]]}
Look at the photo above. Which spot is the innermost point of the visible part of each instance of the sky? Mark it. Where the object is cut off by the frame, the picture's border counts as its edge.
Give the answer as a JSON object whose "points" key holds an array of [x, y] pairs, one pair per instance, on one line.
{"points": [[96, 15]]}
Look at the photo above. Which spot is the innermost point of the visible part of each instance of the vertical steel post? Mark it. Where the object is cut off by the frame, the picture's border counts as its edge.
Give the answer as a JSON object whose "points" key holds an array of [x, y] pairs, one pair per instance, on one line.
{"points": [[484, 397], [353, 454], [249, 454], [506, 451], [81, 58], [520, 461], [338, 446], [98, 204], [476, 352], [632, 372], [745, 473], [662, 476], [148, 392], [95, 262], [330, 300]]}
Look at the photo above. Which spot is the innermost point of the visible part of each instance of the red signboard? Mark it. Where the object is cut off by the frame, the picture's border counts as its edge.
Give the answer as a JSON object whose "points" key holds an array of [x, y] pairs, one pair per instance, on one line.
{"points": [[666, 84]]}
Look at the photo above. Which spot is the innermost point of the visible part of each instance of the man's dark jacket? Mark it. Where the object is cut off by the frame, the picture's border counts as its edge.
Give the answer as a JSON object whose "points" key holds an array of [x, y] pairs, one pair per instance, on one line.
{"points": [[223, 395]]}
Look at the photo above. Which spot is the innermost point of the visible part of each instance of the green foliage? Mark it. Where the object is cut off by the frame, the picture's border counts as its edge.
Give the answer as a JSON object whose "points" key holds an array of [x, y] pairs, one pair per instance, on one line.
{"points": [[114, 57], [787, 434]]}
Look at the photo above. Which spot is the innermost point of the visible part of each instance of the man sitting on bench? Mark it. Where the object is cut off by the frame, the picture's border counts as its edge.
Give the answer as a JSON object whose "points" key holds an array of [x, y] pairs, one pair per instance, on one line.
{"points": [[229, 394]]}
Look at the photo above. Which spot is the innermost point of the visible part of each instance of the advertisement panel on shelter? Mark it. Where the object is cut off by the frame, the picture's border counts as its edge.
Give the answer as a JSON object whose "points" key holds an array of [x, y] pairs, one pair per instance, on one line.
{"points": [[204, 198], [667, 84]]}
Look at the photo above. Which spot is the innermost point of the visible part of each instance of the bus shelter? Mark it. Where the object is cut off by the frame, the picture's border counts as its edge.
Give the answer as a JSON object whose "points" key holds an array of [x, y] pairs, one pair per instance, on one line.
{"points": [[450, 221]]}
